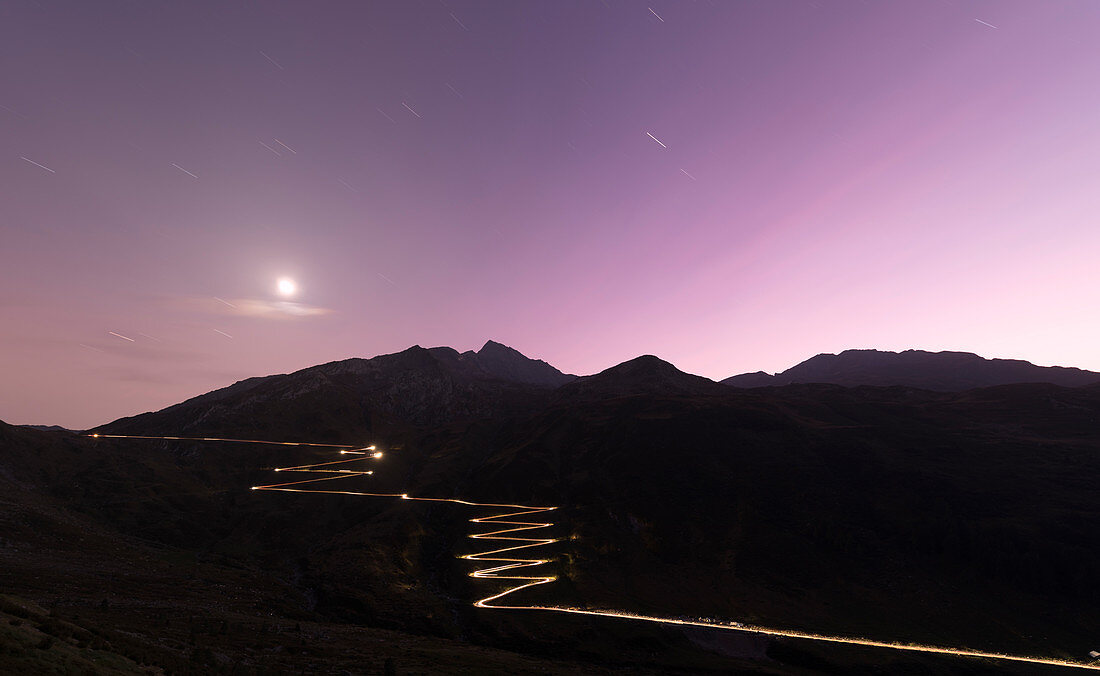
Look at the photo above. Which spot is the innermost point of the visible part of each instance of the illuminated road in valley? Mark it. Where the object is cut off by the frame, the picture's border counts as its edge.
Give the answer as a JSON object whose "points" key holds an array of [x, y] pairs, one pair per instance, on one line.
{"points": [[512, 542]]}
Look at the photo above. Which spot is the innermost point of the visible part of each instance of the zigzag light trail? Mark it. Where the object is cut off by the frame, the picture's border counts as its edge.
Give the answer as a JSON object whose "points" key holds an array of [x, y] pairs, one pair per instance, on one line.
{"points": [[508, 535]]}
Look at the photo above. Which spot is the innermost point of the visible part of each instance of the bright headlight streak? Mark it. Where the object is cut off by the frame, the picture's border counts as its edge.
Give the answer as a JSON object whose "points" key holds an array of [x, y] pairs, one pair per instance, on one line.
{"points": [[524, 582], [494, 573], [239, 441]]}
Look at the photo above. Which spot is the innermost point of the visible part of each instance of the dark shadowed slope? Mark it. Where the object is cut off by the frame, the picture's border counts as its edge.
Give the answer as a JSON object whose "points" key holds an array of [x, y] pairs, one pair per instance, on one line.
{"points": [[508, 364], [643, 375], [755, 379], [941, 371], [865, 511], [497, 361]]}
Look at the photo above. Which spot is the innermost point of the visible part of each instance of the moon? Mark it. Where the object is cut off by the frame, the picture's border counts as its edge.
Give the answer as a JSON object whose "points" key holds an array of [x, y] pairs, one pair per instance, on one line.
{"points": [[286, 287]]}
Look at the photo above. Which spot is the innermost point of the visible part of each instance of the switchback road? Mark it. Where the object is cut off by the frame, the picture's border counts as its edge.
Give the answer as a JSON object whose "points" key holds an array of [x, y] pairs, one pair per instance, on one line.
{"points": [[507, 561]]}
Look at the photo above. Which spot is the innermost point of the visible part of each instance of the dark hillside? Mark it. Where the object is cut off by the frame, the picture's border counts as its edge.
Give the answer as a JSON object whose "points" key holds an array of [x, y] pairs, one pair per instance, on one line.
{"points": [[889, 512], [862, 511]]}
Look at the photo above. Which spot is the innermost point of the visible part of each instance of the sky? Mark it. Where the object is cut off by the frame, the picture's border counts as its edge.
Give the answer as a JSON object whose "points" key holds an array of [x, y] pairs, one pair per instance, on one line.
{"points": [[733, 186]]}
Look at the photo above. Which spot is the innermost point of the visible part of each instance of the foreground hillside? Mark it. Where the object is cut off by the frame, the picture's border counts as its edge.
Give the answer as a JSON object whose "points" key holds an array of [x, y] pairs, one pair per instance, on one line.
{"points": [[118, 558], [961, 519]]}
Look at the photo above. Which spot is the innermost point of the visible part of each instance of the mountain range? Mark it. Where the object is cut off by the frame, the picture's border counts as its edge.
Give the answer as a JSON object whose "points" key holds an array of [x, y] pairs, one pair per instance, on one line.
{"points": [[963, 516], [431, 386]]}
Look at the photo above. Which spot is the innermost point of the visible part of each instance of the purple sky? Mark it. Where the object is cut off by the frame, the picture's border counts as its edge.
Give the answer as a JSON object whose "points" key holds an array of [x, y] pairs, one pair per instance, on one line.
{"points": [[833, 175]]}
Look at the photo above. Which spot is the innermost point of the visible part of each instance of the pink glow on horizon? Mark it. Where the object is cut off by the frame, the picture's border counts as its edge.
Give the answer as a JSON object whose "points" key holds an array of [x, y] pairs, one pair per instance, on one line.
{"points": [[889, 176]]}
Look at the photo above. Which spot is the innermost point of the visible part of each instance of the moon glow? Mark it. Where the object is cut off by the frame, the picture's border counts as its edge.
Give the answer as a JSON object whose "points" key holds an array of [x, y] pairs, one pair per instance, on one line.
{"points": [[286, 287]]}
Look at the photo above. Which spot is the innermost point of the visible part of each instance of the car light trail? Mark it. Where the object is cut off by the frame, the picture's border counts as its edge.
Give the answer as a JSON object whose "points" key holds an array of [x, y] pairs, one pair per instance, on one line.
{"points": [[520, 582], [494, 573], [240, 441], [790, 633]]}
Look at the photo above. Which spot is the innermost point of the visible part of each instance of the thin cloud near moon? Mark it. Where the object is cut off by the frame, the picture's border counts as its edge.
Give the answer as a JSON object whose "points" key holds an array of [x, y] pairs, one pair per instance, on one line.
{"points": [[254, 307], [282, 309]]}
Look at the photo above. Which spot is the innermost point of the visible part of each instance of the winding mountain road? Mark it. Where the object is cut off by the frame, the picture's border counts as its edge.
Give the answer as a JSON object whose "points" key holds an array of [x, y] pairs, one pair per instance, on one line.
{"points": [[515, 543]]}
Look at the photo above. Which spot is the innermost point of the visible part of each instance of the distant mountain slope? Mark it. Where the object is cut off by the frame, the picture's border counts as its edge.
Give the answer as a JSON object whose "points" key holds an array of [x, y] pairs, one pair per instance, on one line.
{"points": [[344, 399], [941, 371], [755, 379], [495, 360], [642, 375]]}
